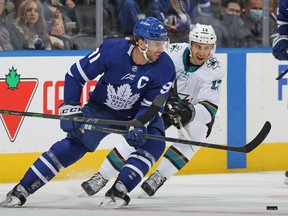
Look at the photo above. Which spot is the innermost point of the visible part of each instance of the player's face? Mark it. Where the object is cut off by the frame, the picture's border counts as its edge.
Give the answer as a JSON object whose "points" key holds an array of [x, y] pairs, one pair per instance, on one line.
{"points": [[200, 52], [155, 48]]}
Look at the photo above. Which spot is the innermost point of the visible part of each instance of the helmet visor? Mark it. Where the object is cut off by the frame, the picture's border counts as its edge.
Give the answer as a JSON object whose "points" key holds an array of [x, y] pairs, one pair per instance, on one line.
{"points": [[155, 45]]}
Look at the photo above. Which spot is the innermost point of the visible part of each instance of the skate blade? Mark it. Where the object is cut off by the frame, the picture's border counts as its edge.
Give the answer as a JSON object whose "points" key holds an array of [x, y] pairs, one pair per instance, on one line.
{"points": [[10, 202], [83, 194], [110, 203], [142, 194]]}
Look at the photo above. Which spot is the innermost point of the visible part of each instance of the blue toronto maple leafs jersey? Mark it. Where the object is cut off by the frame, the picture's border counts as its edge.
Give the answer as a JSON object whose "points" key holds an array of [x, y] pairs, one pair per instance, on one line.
{"points": [[282, 17], [124, 88]]}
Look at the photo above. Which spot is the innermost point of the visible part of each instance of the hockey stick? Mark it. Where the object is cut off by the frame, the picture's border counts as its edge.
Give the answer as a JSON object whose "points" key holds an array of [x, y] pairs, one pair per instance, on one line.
{"points": [[282, 74], [183, 130], [151, 111], [245, 149]]}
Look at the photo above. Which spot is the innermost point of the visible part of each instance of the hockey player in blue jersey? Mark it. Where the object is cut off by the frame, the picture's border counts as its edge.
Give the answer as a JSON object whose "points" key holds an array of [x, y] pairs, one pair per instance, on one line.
{"points": [[191, 107], [133, 74], [280, 44]]}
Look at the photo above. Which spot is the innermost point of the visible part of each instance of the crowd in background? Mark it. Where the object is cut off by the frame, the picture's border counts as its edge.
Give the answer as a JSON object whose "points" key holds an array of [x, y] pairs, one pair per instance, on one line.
{"points": [[70, 24]]}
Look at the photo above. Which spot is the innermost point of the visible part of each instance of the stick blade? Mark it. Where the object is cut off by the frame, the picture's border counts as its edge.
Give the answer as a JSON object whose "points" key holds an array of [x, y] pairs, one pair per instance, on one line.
{"points": [[259, 138]]}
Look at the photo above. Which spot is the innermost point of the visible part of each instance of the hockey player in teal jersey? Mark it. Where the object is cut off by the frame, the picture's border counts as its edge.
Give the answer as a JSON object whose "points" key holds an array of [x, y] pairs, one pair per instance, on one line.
{"points": [[132, 75], [191, 107]]}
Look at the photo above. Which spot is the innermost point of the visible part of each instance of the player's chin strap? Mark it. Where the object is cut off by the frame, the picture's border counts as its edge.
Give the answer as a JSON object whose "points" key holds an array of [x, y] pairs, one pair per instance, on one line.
{"points": [[192, 59], [144, 52]]}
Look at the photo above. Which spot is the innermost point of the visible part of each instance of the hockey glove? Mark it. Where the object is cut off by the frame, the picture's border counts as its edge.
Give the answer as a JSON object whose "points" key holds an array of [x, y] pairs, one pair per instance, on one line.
{"points": [[135, 136], [70, 110], [183, 111], [166, 119], [280, 47]]}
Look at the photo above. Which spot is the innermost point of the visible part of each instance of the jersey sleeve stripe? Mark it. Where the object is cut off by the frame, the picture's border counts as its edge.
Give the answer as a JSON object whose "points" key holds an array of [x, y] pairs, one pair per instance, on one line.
{"points": [[212, 108], [82, 73]]}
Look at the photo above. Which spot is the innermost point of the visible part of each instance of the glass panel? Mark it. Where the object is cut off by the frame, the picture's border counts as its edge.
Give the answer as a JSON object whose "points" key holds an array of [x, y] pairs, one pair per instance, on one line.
{"points": [[72, 24]]}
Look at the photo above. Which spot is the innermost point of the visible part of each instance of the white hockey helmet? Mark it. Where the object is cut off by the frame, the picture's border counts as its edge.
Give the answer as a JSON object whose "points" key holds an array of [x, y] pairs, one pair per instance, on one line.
{"points": [[202, 34]]}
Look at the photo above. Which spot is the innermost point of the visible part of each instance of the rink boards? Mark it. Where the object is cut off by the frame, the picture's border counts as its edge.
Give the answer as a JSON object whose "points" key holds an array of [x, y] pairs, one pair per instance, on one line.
{"points": [[250, 95]]}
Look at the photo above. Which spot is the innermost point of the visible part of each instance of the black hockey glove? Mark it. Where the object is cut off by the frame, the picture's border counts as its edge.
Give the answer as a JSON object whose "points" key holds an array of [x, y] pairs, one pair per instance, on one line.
{"points": [[183, 110], [166, 119], [70, 110]]}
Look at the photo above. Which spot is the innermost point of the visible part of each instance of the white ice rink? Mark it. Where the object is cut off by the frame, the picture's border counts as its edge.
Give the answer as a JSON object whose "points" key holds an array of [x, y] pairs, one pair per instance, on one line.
{"points": [[209, 194]]}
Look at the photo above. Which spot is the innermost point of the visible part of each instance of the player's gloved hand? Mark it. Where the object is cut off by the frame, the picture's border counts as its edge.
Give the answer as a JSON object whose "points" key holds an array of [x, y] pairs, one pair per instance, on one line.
{"points": [[280, 47], [183, 111], [166, 119], [135, 136], [70, 110], [173, 112]]}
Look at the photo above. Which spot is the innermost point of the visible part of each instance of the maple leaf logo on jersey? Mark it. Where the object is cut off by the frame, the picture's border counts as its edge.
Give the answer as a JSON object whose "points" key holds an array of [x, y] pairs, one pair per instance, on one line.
{"points": [[16, 94], [122, 98]]}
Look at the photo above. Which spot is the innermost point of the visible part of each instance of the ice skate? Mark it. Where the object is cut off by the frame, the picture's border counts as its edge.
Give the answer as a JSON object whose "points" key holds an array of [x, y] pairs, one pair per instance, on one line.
{"points": [[153, 183], [116, 197], [93, 185], [16, 197], [286, 178]]}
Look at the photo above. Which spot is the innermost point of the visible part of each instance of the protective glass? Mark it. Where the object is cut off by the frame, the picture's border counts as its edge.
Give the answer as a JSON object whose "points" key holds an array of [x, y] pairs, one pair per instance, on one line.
{"points": [[157, 45]]}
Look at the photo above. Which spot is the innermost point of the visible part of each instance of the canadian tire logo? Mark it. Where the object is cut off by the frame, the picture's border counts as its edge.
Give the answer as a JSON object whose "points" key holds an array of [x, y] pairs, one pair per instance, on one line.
{"points": [[16, 93]]}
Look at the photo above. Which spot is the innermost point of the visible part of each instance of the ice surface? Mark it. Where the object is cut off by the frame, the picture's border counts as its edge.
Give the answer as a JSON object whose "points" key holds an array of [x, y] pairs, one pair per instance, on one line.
{"points": [[201, 194]]}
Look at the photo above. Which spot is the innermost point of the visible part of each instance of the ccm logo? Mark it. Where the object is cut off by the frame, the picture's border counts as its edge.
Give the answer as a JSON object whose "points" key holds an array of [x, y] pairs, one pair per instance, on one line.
{"points": [[71, 110]]}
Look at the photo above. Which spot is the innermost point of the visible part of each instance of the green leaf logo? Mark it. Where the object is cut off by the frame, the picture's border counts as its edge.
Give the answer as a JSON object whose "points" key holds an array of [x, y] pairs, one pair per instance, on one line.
{"points": [[12, 79]]}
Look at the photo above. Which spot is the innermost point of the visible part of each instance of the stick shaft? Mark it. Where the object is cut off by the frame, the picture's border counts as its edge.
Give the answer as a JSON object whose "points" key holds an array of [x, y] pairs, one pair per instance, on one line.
{"points": [[244, 149], [153, 110]]}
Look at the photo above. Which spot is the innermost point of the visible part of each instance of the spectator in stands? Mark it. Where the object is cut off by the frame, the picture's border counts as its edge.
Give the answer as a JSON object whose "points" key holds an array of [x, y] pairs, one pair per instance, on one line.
{"points": [[234, 7], [55, 20], [5, 40], [178, 15], [203, 14], [217, 8], [64, 6], [30, 31], [129, 11], [12, 9], [253, 19], [239, 35], [111, 4]]}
